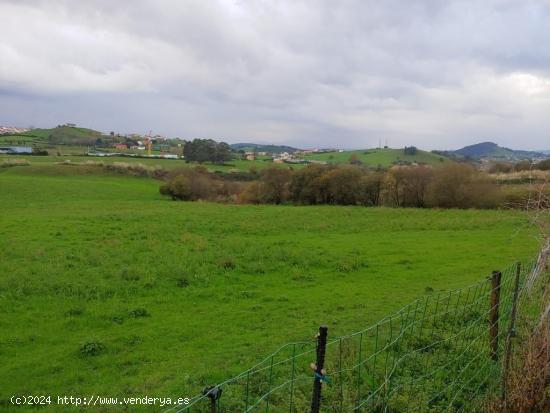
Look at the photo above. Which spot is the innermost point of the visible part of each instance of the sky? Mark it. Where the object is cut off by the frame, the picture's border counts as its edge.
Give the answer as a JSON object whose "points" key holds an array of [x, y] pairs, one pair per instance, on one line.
{"points": [[348, 74]]}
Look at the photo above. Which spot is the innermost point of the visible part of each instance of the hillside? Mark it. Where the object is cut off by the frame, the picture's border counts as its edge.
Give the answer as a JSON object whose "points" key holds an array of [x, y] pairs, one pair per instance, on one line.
{"points": [[256, 147], [491, 150], [60, 135], [375, 157], [67, 135]]}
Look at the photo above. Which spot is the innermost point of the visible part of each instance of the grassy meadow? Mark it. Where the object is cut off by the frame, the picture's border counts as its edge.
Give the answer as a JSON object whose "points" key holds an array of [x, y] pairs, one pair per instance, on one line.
{"points": [[375, 157], [168, 164], [173, 296]]}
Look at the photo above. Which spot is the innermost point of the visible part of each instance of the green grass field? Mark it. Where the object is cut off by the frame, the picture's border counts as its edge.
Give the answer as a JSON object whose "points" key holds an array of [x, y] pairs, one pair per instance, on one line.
{"points": [[20, 139], [376, 157], [181, 295], [168, 164]]}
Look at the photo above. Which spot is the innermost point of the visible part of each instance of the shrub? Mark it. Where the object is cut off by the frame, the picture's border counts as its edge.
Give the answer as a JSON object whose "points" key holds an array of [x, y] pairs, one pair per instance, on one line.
{"points": [[306, 187], [354, 160], [138, 312], [8, 163], [94, 163], [501, 167], [410, 150], [271, 187], [342, 185], [461, 186], [449, 185], [183, 283], [92, 348], [543, 165], [274, 185], [74, 312], [40, 152], [226, 264], [251, 194], [228, 191], [408, 185], [137, 169], [416, 183], [522, 166], [371, 185], [125, 168], [191, 185]]}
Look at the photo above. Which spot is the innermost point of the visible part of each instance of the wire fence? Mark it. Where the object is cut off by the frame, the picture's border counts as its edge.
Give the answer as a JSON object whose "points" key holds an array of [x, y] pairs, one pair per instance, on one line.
{"points": [[442, 352]]}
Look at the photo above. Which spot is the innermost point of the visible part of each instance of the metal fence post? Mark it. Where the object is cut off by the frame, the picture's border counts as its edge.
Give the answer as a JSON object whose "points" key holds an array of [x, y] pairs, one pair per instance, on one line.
{"points": [[493, 313], [213, 393], [319, 372], [509, 336]]}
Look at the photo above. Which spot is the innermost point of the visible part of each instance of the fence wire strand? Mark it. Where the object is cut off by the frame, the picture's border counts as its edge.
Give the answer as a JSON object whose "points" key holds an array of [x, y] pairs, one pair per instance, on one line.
{"points": [[434, 354]]}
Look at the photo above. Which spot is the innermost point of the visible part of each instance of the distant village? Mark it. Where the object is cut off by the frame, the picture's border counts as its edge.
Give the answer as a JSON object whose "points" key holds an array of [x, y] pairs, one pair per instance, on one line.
{"points": [[10, 130], [69, 139], [154, 146]]}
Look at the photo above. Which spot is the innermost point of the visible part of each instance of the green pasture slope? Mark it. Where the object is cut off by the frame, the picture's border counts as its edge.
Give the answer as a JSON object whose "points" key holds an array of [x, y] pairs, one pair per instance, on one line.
{"points": [[174, 295], [20, 140], [168, 164], [375, 157], [41, 137]]}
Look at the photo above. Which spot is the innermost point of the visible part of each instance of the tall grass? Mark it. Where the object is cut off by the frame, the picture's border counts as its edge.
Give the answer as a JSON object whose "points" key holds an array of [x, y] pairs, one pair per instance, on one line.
{"points": [[8, 163], [122, 168]]}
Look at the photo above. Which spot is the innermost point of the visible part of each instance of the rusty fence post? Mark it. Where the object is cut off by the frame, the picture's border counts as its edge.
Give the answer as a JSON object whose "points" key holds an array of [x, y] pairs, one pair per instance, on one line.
{"points": [[319, 369], [508, 345], [494, 313]]}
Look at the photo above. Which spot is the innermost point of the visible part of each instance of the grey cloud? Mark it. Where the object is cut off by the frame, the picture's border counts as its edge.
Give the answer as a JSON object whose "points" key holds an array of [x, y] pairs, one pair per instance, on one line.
{"points": [[309, 73]]}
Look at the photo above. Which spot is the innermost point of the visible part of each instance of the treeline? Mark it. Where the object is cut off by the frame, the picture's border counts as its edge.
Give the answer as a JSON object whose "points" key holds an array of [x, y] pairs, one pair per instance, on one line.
{"points": [[508, 167], [451, 185]]}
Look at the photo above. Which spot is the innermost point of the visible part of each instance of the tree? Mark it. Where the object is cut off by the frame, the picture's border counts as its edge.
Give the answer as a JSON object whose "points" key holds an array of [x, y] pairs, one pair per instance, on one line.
{"points": [[543, 165], [522, 166], [274, 184], [501, 167], [354, 160], [342, 185], [191, 185], [306, 186], [207, 150], [416, 180], [394, 185], [410, 150], [459, 185], [222, 153], [371, 185]]}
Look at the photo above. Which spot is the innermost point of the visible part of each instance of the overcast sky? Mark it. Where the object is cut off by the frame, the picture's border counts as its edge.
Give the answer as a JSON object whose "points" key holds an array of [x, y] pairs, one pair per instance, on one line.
{"points": [[430, 73]]}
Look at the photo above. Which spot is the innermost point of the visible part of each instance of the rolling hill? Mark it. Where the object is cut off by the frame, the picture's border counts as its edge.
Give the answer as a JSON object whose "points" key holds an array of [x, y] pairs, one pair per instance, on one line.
{"points": [[376, 157], [60, 135], [491, 150], [257, 147]]}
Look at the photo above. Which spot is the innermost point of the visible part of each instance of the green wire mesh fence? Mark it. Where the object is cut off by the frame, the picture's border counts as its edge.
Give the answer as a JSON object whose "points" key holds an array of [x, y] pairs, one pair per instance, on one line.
{"points": [[442, 352]]}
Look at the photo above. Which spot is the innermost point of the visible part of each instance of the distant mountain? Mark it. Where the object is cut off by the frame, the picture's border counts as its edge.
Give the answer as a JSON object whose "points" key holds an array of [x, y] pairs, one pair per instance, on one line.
{"points": [[490, 150], [257, 147]]}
